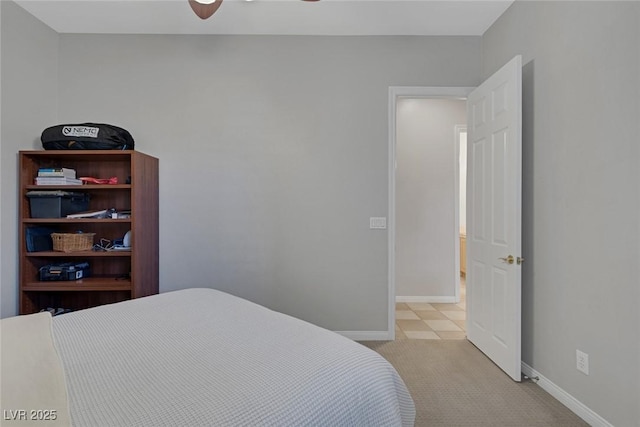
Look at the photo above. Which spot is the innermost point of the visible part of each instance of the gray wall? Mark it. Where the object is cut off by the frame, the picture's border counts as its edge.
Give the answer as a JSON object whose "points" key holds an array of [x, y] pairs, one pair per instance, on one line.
{"points": [[29, 97], [581, 194], [273, 155], [426, 230]]}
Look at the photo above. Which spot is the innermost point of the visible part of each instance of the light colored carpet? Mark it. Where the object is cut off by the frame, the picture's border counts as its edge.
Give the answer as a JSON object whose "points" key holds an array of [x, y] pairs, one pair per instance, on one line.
{"points": [[454, 384]]}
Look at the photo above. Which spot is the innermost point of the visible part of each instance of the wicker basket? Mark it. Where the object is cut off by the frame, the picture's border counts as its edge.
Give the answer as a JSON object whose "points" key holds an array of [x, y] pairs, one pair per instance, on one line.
{"points": [[72, 242]]}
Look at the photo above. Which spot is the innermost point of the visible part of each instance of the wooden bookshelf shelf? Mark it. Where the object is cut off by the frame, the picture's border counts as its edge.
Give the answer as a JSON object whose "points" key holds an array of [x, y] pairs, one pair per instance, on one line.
{"points": [[74, 220], [81, 254], [86, 284], [85, 187]]}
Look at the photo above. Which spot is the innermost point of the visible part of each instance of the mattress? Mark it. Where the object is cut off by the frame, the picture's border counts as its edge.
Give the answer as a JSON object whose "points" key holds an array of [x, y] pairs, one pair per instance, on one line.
{"points": [[201, 357]]}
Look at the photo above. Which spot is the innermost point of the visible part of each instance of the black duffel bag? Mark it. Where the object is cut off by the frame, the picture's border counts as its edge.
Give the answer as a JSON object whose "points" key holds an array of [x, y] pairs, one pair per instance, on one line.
{"points": [[86, 136]]}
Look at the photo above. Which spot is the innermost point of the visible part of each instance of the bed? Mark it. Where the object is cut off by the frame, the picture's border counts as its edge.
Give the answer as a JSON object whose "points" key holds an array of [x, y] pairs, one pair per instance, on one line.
{"points": [[195, 357]]}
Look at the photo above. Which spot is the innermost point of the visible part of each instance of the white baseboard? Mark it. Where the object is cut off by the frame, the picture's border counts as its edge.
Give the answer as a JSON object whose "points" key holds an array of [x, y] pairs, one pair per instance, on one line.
{"points": [[366, 335], [427, 299], [577, 407]]}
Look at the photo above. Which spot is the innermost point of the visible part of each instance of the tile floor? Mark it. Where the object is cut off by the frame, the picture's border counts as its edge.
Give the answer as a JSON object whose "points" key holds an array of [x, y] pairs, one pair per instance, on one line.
{"points": [[431, 321]]}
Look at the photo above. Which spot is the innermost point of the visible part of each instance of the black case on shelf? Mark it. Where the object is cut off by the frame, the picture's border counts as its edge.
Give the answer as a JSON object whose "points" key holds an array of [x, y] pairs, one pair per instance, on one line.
{"points": [[64, 271], [86, 136]]}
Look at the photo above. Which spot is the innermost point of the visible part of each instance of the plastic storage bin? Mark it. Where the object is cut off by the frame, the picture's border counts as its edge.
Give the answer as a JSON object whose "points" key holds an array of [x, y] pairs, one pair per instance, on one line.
{"points": [[56, 204]]}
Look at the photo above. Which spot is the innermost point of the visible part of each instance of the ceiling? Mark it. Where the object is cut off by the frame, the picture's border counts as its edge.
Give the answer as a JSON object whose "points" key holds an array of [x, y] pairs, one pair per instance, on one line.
{"points": [[286, 17]]}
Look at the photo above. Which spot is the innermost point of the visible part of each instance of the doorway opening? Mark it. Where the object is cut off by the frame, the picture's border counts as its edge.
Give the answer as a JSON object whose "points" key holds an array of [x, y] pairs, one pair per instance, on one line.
{"points": [[424, 205]]}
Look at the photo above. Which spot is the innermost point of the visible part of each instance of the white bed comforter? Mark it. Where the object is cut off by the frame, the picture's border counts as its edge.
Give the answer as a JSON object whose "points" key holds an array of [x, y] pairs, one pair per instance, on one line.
{"points": [[201, 357]]}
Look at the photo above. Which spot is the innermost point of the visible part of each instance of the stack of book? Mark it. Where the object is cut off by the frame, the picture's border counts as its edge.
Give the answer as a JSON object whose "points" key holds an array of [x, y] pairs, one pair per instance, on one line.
{"points": [[57, 176]]}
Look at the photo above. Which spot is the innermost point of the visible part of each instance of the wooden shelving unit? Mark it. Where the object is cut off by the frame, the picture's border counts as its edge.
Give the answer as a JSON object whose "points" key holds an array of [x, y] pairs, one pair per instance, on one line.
{"points": [[115, 275]]}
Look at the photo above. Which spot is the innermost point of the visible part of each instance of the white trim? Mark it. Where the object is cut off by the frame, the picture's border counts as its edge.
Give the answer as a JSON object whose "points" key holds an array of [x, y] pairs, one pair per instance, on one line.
{"points": [[428, 299], [394, 93], [577, 407], [367, 335], [391, 223], [457, 130]]}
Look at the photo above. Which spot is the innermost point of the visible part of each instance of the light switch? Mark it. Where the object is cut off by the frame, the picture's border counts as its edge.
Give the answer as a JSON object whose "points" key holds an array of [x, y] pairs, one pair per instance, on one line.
{"points": [[379, 223]]}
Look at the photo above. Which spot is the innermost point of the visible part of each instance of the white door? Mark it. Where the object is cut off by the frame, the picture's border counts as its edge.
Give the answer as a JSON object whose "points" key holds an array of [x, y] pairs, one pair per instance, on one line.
{"points": [[494, 182]]}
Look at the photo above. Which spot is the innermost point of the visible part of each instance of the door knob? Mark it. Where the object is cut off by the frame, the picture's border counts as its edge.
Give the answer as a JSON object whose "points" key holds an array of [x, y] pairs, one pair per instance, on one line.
{"points": [[508, 260]]}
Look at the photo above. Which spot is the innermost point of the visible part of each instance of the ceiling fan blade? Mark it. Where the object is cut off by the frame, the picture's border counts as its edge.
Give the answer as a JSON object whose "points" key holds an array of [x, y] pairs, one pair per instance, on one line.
{"points": [[203, 10]]}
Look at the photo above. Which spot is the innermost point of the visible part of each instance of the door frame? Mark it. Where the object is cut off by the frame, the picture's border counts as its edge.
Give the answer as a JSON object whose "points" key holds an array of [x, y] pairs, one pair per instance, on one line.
{"points": [[458, 129], [395, 92]]}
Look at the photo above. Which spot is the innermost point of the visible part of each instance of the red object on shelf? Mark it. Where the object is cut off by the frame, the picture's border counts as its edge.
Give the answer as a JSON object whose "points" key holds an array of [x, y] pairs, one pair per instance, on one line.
{"points": [[92, 180]]}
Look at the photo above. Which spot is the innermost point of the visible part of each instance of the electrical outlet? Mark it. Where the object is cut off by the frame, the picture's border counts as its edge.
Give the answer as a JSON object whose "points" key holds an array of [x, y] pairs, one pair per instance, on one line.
{"points": [[582, 362]]}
